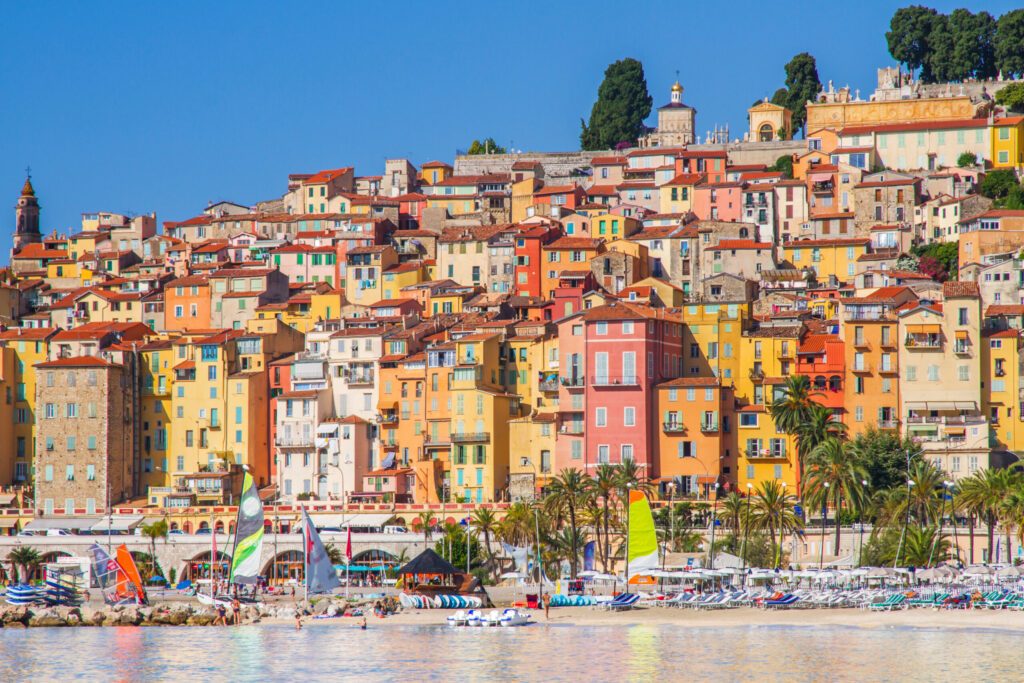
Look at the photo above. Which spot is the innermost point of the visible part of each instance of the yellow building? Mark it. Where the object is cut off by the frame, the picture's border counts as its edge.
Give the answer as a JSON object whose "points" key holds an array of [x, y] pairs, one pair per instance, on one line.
{"points": [[220, 404], [839, 114], [711, 341], [102, 306], [1007, 137], [30, 346], [827, 258], [611, 226], [531, 450], [765, 454], [676, 196], [1001, 368], [156, 359], [479, 420], [769, 122], [767, 358], [364, 280]]}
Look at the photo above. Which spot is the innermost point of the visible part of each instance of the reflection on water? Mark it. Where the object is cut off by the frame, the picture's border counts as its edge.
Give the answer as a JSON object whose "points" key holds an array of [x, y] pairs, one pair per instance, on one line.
{"points": [[535, 653]]}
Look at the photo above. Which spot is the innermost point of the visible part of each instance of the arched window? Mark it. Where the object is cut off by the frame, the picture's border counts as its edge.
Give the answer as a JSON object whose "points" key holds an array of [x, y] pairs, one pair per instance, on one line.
{"points": [[834, 383], [766, 133], [744, 233]]}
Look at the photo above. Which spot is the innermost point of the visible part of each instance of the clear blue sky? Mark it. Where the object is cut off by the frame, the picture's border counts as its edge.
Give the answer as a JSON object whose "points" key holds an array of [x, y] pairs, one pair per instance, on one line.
{"points": [[140, 106]]}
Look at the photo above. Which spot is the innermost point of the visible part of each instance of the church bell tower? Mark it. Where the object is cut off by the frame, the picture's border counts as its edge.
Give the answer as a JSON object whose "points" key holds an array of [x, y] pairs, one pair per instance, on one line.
{"points": [[26, 216]]}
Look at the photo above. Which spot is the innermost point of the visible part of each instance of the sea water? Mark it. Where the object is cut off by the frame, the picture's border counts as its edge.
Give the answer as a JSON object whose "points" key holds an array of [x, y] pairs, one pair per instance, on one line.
{"points": [[535, 653]]}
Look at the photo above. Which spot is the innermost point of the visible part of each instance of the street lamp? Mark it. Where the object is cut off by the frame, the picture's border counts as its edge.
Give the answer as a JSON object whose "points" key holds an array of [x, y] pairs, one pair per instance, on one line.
{"points": [[860, 559], [778, 549], [948, 485], [629, 487], [714, 523], [906, 523], [672, 512], [746, 524], [824, 527]]}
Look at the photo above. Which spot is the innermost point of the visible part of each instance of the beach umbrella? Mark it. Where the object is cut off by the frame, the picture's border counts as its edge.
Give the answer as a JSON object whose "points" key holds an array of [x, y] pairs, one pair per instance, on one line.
{"points": [[587, 574], [1009, 572], [978, 571]]}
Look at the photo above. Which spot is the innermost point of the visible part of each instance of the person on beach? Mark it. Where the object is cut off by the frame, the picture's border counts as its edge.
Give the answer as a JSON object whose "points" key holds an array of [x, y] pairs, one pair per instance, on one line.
{"points": [[362, 624], [221, 619], [236, 609], [546, 599], [298, 621]]}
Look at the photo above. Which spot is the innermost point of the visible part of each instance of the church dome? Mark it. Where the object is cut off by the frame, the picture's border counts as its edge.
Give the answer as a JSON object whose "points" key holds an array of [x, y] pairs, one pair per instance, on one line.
{"points": [[27, 190]]}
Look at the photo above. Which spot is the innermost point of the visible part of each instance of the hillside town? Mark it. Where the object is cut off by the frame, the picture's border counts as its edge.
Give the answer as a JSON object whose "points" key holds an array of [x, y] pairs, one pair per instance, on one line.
{"points": [[464, 330]]}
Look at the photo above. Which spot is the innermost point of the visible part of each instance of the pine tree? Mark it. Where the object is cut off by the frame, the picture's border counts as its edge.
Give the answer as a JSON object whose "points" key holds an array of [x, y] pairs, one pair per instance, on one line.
{"points": [[622, 105]]}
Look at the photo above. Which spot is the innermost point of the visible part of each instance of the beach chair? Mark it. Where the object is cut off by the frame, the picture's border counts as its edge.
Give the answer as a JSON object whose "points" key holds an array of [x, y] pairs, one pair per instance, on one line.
{"points": [[624, 601], [787, 600], [894, 602]]}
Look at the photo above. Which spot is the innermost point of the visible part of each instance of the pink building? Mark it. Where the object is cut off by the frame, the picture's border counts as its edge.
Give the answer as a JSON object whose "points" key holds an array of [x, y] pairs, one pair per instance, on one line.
{"points": [[304, 263], [718, 201], [612, 357]]}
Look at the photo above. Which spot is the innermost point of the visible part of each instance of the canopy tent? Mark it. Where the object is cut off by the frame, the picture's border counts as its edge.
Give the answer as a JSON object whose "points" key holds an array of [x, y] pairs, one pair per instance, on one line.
{"points": [[117, 525], [428, 562]]}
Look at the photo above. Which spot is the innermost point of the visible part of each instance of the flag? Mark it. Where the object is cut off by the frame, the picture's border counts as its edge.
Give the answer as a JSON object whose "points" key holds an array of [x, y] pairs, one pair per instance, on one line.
{"points": [[320, 574], [213, 551], [520, 557], [643, 542], [588, 556], [245, 556], [348, 546]]}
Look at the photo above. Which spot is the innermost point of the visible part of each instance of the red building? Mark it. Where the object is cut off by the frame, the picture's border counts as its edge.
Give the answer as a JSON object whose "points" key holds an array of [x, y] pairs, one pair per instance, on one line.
{"points": [[822, 358], [612, 358], [563, 196], [709, 162], [528, 264]]}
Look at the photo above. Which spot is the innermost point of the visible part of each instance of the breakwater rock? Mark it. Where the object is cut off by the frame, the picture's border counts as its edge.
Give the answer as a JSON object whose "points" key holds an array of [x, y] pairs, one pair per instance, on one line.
{"points": [[166, 613]]}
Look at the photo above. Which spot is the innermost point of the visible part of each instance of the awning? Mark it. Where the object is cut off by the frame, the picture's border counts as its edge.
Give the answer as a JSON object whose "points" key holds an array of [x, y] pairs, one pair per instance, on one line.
{"points": [[965, 405], [916, 405], [321, 520], [69, 523], [327, 429], [6, 499], [924, 329], [8, 522], [956, 431], [118, 524], [962, 334], [389, 461]]}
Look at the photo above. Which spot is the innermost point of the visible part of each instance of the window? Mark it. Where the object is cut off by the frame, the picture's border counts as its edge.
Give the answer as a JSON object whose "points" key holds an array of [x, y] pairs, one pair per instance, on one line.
{"points": [[964, 373], [90, 472], [629, 416], [601, 328], [602, 455], [627, 327], [748, 419], [601, 417], [933, 373]]}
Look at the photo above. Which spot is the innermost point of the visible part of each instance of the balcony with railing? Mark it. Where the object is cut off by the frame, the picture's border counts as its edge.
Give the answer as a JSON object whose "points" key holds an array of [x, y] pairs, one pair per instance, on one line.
{"points": [[294, 440], [614, 381], [756, 374], [952, 420], [925, 342], [471, 437], [823, 187], [571, 429], [863, 368], [573, 382], [430, 441], [549, 384], [387, 417], [888, 424], [673, 427], [357, 378], [709, 425], [764, 454]]}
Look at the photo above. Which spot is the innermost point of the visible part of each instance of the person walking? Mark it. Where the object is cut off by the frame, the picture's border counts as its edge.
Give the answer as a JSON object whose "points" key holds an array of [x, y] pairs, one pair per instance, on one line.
{"points": [[546, 599]]}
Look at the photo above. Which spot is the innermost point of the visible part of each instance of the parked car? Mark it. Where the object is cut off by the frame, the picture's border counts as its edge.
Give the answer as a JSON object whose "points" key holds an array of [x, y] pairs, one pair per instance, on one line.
{"points": [[204, 532], [58, 532], [395, 530]]}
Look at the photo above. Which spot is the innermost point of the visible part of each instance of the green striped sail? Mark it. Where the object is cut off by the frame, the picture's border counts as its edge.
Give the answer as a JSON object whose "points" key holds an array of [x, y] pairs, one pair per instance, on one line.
{"points": [[245, 557]]}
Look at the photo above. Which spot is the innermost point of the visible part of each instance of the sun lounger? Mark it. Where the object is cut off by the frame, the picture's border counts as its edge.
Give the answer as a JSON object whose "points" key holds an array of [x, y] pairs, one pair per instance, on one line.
{"points": [[894, 602], [786, 601]]}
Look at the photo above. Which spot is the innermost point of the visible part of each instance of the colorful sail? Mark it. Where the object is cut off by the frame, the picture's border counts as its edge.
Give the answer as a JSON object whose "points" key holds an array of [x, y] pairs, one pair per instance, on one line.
{"points": [[248, 550], [131, 574], [643, 542], [320, 574], [105, 571]]}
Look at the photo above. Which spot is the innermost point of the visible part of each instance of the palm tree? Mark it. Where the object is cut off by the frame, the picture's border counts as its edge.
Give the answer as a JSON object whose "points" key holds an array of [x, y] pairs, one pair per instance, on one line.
{"points": [[605, 488], [1011, 507], [25, 560], [920, 545], [153, 531], [567, 493], [517, 528], [733, 510], [426, 518], [335, 554], [630, 476], [774, 510], [981, 494], [484, 521], [790, 411], [837, 464], [568, 544]]}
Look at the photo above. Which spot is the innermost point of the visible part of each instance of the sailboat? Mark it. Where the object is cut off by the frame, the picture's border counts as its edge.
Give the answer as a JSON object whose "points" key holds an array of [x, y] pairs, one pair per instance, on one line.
{"points": [[248, 546], [641, 539], [119, 578]]}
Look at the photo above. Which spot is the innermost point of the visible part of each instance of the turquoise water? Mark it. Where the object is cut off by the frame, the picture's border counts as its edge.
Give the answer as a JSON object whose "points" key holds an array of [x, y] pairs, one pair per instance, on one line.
{"points": [[534, 653]]}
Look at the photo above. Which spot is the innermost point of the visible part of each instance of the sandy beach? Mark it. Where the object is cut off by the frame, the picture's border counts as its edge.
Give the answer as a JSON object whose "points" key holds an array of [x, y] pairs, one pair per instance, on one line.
{"points": [[742, 616]]}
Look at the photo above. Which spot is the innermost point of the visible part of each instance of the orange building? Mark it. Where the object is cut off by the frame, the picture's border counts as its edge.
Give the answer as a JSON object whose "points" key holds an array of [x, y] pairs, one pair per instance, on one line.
{"points": [[696, 441], [187, 304], [566, 254]]}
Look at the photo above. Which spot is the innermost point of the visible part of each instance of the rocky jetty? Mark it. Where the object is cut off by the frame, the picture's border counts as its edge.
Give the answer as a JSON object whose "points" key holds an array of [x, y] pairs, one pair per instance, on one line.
{"points": [[164, 614]]}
